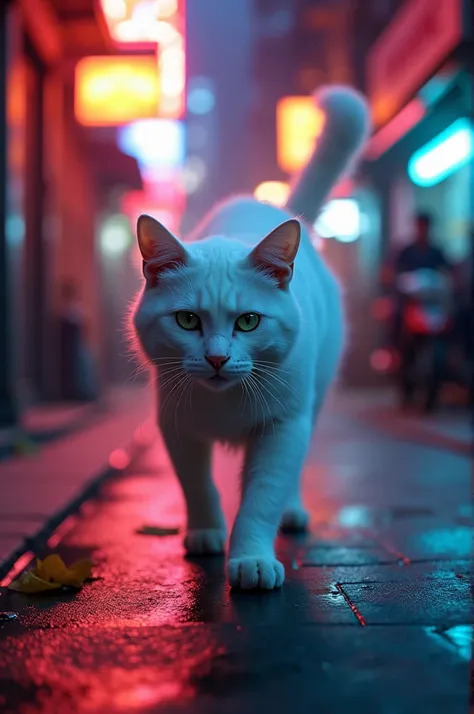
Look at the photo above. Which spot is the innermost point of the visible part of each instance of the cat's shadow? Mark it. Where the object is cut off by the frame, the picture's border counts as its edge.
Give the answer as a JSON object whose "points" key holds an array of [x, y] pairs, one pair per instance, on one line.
{"points": [[214, 600]]}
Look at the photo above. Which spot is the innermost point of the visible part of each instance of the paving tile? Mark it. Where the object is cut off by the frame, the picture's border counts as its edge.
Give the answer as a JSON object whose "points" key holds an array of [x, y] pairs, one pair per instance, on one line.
{"points": [[394, 573], [333, 556], [437, 602], [158, 632], [431, 539]]}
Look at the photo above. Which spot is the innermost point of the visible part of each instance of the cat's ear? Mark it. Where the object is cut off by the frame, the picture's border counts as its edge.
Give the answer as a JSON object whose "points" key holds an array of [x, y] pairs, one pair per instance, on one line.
{"points": [[159, 248], [275, 254]]}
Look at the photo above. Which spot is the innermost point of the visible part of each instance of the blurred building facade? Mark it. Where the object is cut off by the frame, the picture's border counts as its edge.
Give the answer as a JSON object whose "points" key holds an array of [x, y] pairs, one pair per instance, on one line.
{"points": [[219, 52], [417, 90], [414, 61], [55, 181]]}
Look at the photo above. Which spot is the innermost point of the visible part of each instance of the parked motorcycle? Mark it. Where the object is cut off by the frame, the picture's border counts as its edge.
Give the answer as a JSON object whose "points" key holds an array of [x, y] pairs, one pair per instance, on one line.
{"points": [[426, 321]]}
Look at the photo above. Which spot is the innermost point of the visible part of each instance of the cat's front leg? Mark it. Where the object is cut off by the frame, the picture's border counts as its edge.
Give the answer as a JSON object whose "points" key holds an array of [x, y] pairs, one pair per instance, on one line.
{"points": [[206, 530], [273, 463]]}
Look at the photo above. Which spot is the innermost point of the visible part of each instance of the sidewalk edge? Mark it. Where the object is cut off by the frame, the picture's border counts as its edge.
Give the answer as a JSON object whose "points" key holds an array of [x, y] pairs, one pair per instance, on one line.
{"points": [[131, 451]]}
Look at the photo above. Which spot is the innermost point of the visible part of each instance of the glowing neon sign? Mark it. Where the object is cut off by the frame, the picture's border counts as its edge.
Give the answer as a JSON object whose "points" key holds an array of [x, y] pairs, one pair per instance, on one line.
{"points": [[115, 90], [444, 155], [158, 26], [299, 124]]}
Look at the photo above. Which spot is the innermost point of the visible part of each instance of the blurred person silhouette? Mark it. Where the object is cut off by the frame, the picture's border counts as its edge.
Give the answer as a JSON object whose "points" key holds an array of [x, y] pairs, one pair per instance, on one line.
{"points": [[418, 257], [77, 369]]}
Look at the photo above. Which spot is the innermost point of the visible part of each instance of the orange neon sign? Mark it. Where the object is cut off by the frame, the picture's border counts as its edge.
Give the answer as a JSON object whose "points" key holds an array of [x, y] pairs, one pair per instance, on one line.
{"points": [[110, 91], [299, 124], [275, 192]]}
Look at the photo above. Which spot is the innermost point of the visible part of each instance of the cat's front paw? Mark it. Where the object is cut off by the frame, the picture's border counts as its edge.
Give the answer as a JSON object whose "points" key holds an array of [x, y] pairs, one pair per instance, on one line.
{"points": [[205, 541], [252, 573]]}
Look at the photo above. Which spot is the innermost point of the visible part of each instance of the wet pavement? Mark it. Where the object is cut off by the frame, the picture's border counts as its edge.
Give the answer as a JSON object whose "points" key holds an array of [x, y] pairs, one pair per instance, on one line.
{"points": [[376, 612]]}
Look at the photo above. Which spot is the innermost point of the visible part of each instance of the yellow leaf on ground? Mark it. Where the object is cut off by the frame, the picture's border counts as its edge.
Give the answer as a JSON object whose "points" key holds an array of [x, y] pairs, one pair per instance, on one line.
{"points": [[52, 574], [29, 584]]}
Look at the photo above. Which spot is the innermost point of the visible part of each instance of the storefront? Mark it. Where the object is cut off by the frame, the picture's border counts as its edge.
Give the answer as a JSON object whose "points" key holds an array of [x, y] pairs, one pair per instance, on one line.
{"points": [[47, 202], [421, 154]]}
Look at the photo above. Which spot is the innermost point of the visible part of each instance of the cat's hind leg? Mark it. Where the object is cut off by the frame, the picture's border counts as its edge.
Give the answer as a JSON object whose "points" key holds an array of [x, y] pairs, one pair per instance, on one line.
{"points": [[296, 518], [206, 530]]}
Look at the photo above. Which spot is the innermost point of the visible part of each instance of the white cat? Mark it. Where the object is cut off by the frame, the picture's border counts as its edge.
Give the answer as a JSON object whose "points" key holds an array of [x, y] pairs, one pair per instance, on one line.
{"points": [[244, 325]]}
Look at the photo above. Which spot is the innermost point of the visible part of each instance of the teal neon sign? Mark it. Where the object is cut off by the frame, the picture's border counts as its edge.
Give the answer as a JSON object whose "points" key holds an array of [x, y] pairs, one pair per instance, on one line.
{"points": [[444, 155]]}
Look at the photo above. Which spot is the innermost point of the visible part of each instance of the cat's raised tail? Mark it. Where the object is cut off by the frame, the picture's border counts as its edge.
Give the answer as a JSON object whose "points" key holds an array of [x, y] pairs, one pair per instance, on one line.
{"points": [[345, 131]]}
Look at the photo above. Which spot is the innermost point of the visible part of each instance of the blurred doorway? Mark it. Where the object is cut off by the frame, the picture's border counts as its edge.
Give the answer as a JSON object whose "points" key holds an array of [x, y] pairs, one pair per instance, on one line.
{"points": [[35, 296]]}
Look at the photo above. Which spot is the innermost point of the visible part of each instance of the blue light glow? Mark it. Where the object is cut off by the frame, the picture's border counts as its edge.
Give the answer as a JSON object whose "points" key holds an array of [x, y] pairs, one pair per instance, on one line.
{"points": [[201, 95], [444, 155], [155, 143], [200, 101], [339, 219]]}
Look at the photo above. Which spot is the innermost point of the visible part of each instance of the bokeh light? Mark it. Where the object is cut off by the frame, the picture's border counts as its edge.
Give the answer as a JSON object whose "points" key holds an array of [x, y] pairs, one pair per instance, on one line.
{"points": [[275, 192], [444, 155], [154, 142], [339, 219], [115, 236], [299, 124]]}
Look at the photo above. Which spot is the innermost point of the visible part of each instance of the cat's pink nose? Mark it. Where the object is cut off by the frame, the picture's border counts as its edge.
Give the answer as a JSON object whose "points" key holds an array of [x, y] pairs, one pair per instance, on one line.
{"points": [[217, 361]]}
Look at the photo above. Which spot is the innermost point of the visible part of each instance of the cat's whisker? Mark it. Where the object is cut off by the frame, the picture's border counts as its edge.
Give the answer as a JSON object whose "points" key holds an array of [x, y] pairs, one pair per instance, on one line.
{"points": [[270, 379], [243, 394], [272, 394], [139, 370], [276, 366], [157, 360], [169, 379], [184, 384], [269, 373], [190, 394], [169, 395], [168, 369], [263, 402], [270, 411], [252, 398]]}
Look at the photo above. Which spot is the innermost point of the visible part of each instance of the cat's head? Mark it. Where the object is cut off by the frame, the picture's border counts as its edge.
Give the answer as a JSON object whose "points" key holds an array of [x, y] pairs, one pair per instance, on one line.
{"points": [[217, 309]]}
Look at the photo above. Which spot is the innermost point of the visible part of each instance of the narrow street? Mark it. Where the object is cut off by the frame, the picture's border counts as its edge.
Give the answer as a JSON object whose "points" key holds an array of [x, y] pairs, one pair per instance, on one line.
{"points": [[376, 612]]}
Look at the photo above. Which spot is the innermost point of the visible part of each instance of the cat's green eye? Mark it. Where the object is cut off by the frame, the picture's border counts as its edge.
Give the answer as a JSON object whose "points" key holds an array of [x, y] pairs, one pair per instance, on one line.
{"points": [[247, 322], [188, 320]]}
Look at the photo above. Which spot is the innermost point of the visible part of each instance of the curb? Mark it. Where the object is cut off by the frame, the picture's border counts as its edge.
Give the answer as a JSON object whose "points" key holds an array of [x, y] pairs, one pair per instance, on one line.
{"points": [[119, 460]]}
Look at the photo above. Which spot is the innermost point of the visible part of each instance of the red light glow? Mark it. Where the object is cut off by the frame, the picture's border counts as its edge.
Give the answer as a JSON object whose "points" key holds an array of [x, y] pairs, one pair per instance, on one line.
{"points": [[119, 459], [381, 360], [19, 566], [400, 125], [382, 308], [63, 529]]}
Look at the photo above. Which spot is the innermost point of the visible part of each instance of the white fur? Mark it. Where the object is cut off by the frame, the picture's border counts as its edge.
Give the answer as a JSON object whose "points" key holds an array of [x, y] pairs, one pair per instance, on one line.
{"points": [[277, 375]]}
